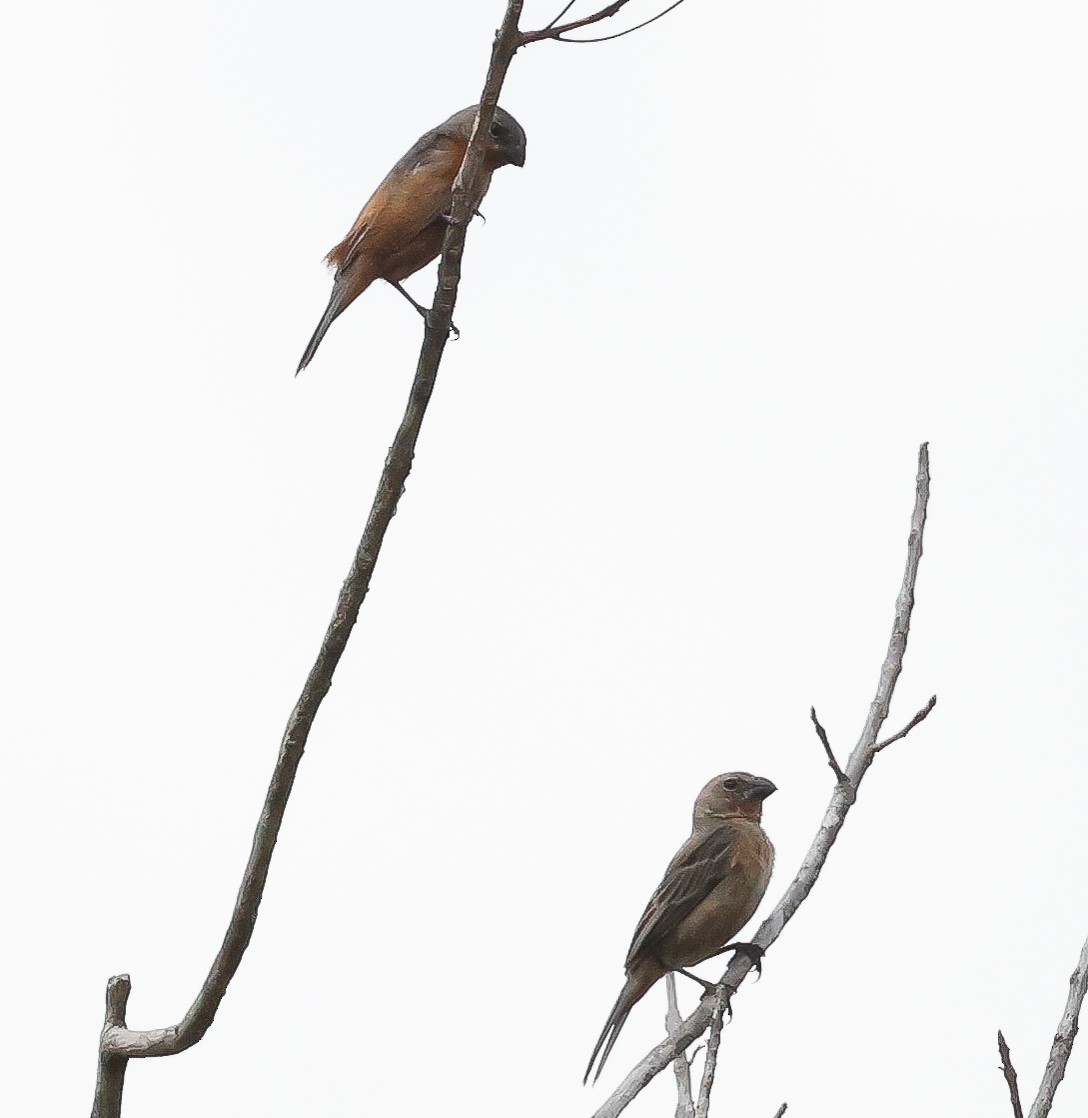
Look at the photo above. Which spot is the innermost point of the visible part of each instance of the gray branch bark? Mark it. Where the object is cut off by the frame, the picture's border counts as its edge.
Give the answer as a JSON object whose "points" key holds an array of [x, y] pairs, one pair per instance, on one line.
{"points": [[1062, 1047], [710, 1064], [685, 1105], [842, 799]]}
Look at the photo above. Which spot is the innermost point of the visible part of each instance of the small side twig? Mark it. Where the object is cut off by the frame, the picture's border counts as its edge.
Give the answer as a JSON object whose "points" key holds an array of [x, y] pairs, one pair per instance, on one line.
{"points": [[710, 1063], [919, 717], [556, 30], [780, 1111], [1010, 1075], [630, 30], [562, 12], [840, 776], [1062, 1047], [681, 1066]]}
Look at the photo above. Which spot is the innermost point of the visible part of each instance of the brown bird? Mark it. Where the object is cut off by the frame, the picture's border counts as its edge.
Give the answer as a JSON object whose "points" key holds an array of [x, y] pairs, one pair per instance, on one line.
{"points": [[403, 225], [710, 890]]}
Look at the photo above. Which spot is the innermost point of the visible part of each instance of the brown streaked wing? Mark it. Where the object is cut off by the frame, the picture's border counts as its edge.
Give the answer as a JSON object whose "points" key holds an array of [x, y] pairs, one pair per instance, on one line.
{"points": [[700, 864]]}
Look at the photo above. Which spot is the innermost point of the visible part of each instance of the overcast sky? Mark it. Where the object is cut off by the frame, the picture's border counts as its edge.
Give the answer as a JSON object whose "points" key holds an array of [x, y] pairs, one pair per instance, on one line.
{"points": [[758, 253]]}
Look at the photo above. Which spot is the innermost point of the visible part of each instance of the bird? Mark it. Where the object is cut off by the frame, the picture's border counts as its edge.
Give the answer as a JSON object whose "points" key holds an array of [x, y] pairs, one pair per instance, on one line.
{"points": [[710, 890], [403, 224]]}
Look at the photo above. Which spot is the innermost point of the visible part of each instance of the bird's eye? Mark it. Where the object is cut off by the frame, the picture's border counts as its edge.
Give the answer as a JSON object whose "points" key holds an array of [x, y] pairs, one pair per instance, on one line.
{"points": [[729, 785], [496, 129]]}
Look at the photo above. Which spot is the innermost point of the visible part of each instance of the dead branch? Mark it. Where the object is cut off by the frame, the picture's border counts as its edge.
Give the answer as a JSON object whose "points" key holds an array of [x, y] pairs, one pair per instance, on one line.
{"points": [[821, 733], [921, 716], [842, 799], [1062, 1047], [556, 30], [118, 1043], [1010, 1075], [710, 1064]]}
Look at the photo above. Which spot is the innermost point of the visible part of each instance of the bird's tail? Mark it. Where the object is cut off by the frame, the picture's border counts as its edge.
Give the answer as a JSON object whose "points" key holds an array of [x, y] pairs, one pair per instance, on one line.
{"points": [[634, 988], [344, 293]]}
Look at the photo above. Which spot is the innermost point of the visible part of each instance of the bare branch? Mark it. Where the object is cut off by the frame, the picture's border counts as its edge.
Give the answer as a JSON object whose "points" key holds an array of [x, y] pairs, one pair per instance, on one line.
{"points": [[111, 1069], [685, 1105], [919, 717], [710, 1064], [842, 799], [780, 1111], [1063, 1038], [553, 31], [822, 734], [630, 30], [119, 1043], [1010, 1075]]}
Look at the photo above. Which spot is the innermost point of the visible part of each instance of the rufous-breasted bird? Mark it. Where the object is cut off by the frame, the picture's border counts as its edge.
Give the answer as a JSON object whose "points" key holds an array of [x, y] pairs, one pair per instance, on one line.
{"points": [[403, 225], [709, 892]]}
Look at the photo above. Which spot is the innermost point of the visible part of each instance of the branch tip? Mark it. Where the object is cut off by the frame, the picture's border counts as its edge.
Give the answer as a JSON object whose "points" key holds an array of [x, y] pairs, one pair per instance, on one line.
{"points": [[1010, 1075], [840, 776], [921, 716]]}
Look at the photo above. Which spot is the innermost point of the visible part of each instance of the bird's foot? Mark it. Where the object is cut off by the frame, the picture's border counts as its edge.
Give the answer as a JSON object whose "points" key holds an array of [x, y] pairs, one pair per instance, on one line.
{"points": [[708, 987], [448, 218], [421, 309], [713, 989], [754, 952]]}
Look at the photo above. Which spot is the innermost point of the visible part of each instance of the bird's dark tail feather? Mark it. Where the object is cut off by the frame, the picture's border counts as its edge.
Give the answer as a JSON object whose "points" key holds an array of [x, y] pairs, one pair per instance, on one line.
{"points": [[337, 304], [633, 989]]}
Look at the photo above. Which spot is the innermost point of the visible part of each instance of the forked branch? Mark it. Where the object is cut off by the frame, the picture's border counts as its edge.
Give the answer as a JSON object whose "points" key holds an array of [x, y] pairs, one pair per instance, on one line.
{"points": [[842, 798]]}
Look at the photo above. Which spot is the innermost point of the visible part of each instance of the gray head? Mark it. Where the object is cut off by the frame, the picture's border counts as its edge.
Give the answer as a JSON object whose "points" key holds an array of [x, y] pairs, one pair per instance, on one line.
{"points": [[506, 143], [732, 796]]}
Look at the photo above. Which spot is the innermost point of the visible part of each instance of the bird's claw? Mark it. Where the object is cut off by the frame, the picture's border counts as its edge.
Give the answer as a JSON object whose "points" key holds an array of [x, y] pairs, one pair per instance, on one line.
{"points": [[724, 992], [754, 952], [448, 218]]}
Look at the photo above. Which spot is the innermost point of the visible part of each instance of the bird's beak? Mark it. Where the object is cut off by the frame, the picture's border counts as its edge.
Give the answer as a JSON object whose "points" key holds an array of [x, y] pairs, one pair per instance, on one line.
{"points": [[518, 157], [761, 789]]}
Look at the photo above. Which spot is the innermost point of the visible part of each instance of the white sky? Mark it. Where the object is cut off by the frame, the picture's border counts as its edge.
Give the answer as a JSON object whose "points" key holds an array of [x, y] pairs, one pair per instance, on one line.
{"points": [[758, 253]]}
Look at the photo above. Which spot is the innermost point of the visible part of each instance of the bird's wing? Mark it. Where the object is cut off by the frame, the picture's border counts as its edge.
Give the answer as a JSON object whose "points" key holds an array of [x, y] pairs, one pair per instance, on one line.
{"points": [[699, 865], [410, 197]]}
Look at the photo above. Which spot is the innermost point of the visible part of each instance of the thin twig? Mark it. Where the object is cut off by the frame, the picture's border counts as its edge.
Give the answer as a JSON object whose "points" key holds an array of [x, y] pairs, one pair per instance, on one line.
{"points": [[118, 1043], [630, 30], [1063, 1038], [842, 799], [919, 717], [822, 734], [1010, 1075], [685, 1106], [553, 31], [780, 1111], [566, 8], [710, 1064]]}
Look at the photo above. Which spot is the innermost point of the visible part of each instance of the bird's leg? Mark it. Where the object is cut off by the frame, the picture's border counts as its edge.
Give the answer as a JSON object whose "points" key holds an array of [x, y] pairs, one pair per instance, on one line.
{"points": [[717, 988], [424, 311], [709, 987]]}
